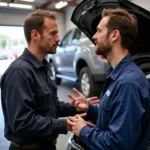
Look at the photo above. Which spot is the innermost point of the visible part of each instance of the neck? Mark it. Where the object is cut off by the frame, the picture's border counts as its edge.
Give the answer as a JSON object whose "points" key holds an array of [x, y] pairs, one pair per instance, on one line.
{"points": [[116, 55], [36, 52]]}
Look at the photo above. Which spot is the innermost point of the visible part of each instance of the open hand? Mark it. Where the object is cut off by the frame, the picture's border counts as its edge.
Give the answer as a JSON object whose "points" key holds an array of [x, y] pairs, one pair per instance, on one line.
{"points": [[93, 100], [80, 101]]}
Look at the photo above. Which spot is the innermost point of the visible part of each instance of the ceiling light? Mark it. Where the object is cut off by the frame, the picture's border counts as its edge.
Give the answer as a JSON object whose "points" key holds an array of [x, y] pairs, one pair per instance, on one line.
{"points": [[28, 0], [3, 4], [20, 6], [61, 4]]}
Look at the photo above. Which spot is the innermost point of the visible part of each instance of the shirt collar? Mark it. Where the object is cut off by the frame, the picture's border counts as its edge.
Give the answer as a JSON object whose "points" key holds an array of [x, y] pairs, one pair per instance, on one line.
{"points": [[33, 60], [114, 73]]}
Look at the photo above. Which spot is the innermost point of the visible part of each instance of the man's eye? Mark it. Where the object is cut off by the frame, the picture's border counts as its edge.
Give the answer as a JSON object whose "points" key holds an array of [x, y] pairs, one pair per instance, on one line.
{"points": [[53, 33]]}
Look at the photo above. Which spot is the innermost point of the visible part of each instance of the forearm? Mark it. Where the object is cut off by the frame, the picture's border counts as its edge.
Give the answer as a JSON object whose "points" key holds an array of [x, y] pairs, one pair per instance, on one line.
{"points": [[66, 109], [39, 126], [97, 139]]}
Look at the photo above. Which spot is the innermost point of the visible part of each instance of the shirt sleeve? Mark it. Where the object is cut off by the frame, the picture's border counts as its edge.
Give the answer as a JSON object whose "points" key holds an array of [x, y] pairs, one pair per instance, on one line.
{"points": [[92, 113], [125, 121], [18, 99], [66, 109]]}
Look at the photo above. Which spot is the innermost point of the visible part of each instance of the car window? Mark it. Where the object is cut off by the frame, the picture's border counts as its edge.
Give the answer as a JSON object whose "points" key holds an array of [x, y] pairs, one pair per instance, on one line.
{"points": [[67, 38], [76, 36], [83, 37]]}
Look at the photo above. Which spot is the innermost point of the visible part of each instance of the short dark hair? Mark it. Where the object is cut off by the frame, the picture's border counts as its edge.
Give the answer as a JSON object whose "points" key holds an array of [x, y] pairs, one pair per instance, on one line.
{"points": [[35, 21], [125, 22]]}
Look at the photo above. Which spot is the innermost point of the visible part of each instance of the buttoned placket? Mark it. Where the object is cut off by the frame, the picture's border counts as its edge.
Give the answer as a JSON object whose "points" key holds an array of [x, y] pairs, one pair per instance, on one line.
{"points": [[48, 75]]}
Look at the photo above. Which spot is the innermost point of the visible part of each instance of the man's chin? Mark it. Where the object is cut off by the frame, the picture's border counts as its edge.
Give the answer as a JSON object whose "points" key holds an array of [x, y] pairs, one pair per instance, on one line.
{"points": [[97, 51], [53, 52]]}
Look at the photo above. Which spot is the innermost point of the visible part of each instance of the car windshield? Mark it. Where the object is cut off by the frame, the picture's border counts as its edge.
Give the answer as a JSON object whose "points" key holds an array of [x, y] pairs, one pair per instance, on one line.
{"points": [[142, 3]]}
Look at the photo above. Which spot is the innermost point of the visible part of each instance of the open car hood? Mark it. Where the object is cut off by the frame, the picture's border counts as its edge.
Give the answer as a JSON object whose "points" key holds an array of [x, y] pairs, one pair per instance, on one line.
{"points": [[87, 15]]}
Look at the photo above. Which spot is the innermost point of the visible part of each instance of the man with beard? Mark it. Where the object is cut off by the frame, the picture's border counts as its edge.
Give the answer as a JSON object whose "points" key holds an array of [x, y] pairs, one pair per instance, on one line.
{"points": [[122, 116], [29, 95]]}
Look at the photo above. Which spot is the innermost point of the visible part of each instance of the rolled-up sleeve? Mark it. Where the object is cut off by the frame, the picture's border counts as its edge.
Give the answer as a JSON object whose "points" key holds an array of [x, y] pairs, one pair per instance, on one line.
{"points": [[18, 93], [127, 105]]}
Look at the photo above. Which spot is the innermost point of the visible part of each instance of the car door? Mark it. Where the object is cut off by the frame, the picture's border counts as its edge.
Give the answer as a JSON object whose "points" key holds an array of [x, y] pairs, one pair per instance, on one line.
{"points": [[70, 51], [60, 56]]}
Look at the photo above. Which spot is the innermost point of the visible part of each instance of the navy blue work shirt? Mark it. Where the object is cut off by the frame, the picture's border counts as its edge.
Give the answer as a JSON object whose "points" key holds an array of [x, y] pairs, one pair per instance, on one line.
{"points": [[30, 104], [123, 112]]}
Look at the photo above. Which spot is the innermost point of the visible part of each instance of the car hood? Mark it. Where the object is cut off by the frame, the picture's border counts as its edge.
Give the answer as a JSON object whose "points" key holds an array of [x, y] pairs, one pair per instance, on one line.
{"points": [[87, 15]]}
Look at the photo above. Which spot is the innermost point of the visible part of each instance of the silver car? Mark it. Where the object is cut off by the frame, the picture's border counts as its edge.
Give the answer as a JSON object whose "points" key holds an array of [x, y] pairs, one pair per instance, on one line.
{"points": [[76, 60]]}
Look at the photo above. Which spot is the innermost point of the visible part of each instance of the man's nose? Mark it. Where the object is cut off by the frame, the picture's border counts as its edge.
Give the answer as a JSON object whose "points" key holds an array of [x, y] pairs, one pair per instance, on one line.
{"points": [[57, 39], [94, 36]]}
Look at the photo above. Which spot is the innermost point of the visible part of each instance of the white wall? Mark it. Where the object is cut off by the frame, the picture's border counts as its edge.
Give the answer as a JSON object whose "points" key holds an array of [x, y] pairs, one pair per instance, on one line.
{"points": [[143, 3], [11, 18], [69, 24], [60, 19], [16, 18]]}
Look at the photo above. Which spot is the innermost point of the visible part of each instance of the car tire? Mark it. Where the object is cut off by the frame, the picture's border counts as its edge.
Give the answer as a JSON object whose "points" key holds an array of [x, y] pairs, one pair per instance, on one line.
{"points": [[87, 86], [146, 69], [53, 70]]}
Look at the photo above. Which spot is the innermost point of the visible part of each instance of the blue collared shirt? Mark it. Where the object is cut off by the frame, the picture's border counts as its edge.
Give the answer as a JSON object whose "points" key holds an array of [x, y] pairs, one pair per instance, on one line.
{"points": [[123, 113]]}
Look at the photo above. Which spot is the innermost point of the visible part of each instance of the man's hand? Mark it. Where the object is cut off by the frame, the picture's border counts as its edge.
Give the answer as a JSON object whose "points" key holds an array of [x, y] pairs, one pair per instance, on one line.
{"points": [[80, 101], [93, 100], [90, 124], [77, 124], [69, 126]]}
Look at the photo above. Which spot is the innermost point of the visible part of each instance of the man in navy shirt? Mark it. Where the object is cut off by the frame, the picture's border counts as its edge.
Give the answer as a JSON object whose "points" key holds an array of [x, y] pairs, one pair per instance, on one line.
{"points": [[122, 116], [30, 103]]}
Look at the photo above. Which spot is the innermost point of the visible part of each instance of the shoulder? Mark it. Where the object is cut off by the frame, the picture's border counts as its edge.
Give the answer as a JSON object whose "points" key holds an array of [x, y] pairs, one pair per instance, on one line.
{"points": [[20, 66], [134, 77], [20, 63]]}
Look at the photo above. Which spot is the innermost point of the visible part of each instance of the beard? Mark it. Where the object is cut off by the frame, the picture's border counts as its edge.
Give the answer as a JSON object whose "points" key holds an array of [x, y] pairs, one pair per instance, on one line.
{"points": [[103, 49], [53, 49], [47, 48]]}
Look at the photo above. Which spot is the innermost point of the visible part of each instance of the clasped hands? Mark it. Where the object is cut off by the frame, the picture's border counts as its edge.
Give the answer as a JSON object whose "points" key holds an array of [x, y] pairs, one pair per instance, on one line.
{"points": [[76, 123]]}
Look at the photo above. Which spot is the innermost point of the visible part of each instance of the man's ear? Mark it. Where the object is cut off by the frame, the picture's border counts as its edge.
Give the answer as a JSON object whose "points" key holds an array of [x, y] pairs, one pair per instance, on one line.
{"points": [[35, 35], [115, 35]]}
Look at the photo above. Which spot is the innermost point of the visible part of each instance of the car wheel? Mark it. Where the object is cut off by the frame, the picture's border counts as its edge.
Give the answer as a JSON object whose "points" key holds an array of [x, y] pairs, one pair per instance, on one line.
{"points": [[88, 87], [57, 80], [146, 69]]}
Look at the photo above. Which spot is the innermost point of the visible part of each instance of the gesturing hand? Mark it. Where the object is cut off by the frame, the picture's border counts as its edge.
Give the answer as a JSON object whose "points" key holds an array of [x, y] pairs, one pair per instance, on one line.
{"points": [[93, 100], [80, 102]]}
